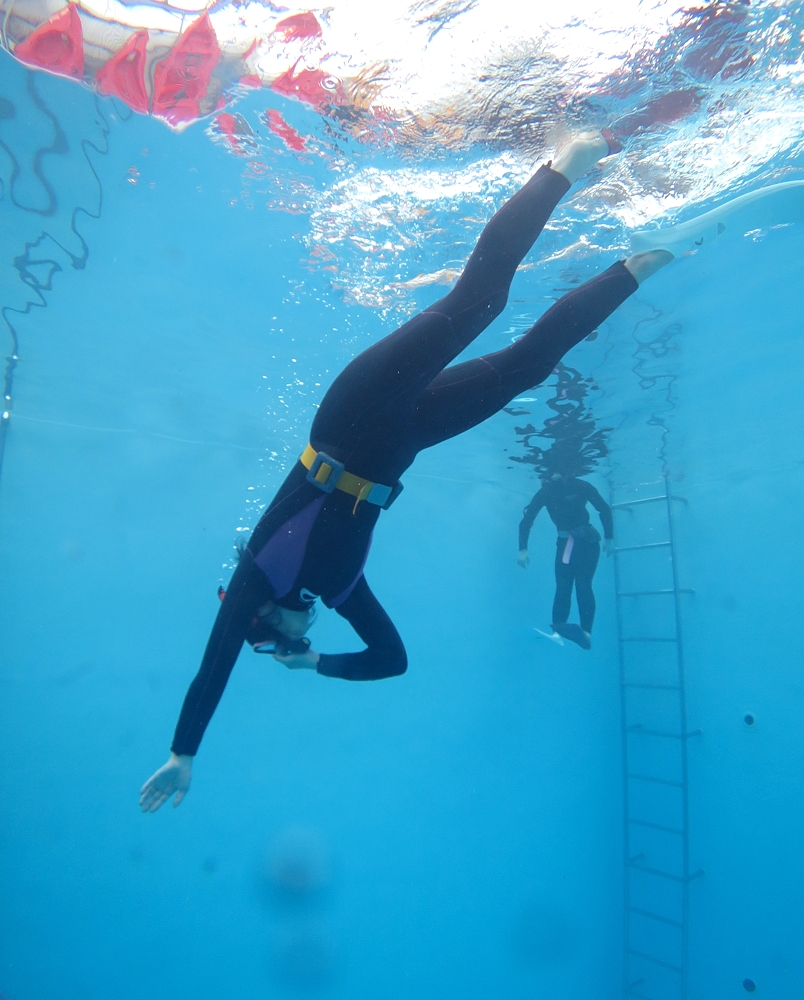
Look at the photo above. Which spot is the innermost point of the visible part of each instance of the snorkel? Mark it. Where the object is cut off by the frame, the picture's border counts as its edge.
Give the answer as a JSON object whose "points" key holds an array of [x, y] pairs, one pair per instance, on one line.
{"points": [[274, 642]]}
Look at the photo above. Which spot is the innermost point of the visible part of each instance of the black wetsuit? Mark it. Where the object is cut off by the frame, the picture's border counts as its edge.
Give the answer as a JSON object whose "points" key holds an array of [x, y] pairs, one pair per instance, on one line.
{"points": [[578, 543], [390, 402]]}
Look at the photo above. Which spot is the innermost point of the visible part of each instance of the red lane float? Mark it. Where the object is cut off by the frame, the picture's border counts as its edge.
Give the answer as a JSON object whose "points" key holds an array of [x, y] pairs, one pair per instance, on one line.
{"points": [[313, 86], [178, 64], [237, 132], [277, 124], [57, 45], [181, 80], [123, 75], [299, 26]]}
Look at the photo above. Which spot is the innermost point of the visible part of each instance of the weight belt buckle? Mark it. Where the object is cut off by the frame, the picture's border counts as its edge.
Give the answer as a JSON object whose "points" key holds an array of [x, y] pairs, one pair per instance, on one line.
{"points": [[321, 463], [385, 498]]}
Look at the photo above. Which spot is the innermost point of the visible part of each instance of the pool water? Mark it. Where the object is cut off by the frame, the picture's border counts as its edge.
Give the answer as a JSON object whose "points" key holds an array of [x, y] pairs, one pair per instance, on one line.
{"points": [[176, 303]]}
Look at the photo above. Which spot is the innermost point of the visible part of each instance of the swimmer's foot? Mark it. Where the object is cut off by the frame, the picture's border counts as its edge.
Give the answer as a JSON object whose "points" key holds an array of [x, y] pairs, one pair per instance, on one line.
{"points": [[581, 154], [643, 265], [568, 630]]}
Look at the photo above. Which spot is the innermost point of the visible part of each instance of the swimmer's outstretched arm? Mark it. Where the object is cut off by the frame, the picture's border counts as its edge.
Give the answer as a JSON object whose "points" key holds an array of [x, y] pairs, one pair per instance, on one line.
{"points": [[173, 777], [606, 518], [530, 514], [384, 657]]}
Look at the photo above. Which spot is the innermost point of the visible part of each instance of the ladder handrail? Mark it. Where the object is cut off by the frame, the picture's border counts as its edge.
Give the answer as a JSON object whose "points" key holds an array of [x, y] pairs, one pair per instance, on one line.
{"points": [[682, 724], [677, 732]]}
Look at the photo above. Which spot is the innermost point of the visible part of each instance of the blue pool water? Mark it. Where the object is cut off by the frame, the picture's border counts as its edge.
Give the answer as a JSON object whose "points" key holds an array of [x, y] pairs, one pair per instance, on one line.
{"points": [[175, 307]]}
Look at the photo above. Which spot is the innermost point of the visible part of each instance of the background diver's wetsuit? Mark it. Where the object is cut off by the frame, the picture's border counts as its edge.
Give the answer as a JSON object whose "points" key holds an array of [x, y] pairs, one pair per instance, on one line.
{"points": [[390, 402], [566, 500]]}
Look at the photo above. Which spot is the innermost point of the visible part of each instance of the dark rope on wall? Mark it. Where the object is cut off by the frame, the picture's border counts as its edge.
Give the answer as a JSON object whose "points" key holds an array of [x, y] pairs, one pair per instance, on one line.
{"points": [[658, 347], [28, 263]]}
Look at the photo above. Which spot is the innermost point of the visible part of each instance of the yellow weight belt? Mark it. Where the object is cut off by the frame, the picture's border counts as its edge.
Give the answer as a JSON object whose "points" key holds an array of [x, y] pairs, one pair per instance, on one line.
{"points": [[326, 467]]}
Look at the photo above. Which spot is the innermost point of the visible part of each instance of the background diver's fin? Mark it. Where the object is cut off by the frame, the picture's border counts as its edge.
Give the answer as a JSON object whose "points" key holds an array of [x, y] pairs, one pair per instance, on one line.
{"points": [[573, 632], [552, 636]]}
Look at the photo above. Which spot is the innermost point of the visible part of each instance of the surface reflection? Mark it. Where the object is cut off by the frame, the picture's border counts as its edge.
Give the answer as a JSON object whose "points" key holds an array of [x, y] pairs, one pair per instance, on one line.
{"points": [[295, 880], [296, 871]]}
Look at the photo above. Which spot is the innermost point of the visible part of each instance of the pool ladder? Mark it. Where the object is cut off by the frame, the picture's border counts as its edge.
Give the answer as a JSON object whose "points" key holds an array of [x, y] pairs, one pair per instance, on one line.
{"points": [[655, 742]]}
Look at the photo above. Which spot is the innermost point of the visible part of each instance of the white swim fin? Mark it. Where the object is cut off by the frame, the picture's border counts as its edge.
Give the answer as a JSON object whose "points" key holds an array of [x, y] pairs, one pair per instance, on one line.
{"points": [[773, 205], [552, 636]]}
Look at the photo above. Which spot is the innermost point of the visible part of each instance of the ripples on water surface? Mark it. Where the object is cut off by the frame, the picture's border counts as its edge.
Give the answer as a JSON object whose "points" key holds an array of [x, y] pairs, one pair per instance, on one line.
{"points": [[470, 95], [383, 124]]}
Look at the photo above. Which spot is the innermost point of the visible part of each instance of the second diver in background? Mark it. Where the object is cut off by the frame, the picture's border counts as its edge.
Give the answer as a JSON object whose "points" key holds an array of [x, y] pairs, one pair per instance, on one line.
{"points": [[577, 548]]}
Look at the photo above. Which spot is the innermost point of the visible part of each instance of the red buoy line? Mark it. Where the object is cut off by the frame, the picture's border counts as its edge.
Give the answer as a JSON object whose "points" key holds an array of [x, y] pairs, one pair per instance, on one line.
{"points": [[172, 69]]}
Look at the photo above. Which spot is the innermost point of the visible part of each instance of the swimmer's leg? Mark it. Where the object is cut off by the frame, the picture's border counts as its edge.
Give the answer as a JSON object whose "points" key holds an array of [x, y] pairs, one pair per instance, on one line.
{"points": [[466, 394], [585, 556], [392, 373], [387, 378], [565, 576], [482, 289]]}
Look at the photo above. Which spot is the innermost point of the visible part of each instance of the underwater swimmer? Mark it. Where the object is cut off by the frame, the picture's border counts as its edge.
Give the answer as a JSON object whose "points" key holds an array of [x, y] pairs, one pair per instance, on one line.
{"points": [[577, 548], [389, 403]]}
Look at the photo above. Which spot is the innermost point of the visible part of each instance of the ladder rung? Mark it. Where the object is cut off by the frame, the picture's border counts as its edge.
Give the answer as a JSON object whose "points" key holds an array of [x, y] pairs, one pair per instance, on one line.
{"points": [[652, 593], [652, 687], [633, 503], [660, 874], [648, 545], [656, 961], [639, 728], [655, 916], [657, 826], [656, 781], [646, 638]]}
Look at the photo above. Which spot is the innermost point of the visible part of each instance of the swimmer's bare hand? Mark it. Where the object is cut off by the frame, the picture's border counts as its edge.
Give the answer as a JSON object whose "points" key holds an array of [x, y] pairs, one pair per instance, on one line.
{"points": [[608, 546], [523, 558], [171, 777], [299, 661]]}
